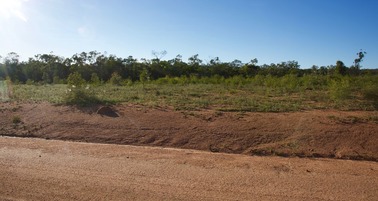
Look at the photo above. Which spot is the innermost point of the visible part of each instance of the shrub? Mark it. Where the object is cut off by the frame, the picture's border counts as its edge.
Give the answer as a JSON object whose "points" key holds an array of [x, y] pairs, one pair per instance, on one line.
{"points": [[75, 79], [77, 93], [340, 89], [370, 93], [29, 82], [16, 120], [115, 79], [81, 97], [95, 80], [57, 80]]}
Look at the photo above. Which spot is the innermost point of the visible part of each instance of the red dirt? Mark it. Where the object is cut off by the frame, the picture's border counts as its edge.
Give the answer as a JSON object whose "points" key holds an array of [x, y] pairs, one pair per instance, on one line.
{"points": [[36, 169], [333, 134]]}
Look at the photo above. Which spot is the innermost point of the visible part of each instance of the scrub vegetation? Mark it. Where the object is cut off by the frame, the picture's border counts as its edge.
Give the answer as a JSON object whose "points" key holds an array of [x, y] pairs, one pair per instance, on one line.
{"points": [[95, 78]]}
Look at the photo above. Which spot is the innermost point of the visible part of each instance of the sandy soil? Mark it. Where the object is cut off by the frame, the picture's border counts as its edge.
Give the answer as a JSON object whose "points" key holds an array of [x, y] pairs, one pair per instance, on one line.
{"points": [[331, 134], [37, 169]]}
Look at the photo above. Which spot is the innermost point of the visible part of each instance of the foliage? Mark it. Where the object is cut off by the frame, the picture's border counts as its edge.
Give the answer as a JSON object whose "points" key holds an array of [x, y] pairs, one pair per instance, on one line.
{"points": [[361, 54], [79, 94], [340, 68], [95, 80], [115, 79], [95, 67], [370, 92], [193, 84], [75, 80], [259, 93], [81, 97], [340, 89], [16, 120], [144, 76]]}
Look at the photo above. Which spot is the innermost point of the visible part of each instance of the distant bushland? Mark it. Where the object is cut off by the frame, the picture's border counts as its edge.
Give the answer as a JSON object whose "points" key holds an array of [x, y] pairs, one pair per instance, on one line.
{"points": [[95, 67]]}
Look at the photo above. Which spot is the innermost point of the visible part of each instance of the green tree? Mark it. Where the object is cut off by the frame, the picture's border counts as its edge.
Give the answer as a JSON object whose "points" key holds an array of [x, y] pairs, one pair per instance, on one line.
{"points": [[361, 54], [250, 69], [144, 76], [194, 63], [355, 69], [340, 68], [75, 80]]}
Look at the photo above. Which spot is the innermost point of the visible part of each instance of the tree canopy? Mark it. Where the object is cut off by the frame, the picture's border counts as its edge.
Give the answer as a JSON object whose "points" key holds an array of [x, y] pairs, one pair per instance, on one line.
{"points": [[95, 66]]}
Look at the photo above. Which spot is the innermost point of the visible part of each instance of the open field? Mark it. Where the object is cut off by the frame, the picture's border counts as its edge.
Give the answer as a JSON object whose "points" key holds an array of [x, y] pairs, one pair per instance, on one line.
{"points": [[257, 94], [33, 169]]}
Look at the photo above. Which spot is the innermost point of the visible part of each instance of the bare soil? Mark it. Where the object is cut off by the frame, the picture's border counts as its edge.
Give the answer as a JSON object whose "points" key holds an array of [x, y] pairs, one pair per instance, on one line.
{"points": [[37, 169], [317, 133]]}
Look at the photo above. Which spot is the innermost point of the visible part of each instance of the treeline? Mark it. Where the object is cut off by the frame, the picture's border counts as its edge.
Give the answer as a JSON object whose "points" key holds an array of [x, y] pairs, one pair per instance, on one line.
{"points": [[98, 67]]}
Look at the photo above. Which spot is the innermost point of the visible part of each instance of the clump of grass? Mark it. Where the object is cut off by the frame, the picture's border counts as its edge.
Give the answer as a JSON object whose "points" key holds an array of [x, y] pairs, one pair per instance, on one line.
{"points": [[16, 120]]}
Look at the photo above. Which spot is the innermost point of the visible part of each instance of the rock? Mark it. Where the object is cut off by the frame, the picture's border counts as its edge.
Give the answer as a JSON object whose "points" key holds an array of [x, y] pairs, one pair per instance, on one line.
{"points": [[107, 111]]}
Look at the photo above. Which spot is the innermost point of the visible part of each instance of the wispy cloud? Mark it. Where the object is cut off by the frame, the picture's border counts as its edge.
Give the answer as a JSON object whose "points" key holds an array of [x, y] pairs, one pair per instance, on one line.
{"points": [[12, 8]]}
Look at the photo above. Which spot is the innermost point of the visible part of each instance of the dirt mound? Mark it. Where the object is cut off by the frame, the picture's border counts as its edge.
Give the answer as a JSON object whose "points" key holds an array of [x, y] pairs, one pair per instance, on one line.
{"points": [[107, 111], [333, 134]]}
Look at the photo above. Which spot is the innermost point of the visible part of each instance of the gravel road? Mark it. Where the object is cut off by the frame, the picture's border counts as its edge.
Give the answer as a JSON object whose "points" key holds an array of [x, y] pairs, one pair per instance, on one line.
{"points": [[36, 169]]}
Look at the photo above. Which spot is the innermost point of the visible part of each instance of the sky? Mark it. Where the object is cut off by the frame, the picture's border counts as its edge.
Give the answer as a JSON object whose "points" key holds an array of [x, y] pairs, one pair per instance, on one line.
{"points": [[312, 32]]}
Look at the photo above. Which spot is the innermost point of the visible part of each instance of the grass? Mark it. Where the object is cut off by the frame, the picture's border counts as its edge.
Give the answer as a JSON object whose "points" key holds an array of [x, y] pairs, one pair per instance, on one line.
{"points": [[259, 94], [16, 120]]}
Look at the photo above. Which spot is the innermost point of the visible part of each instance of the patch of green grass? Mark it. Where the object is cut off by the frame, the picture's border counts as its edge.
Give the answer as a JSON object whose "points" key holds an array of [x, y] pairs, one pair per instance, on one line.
{"points": [[33, 93], [261, 94]]}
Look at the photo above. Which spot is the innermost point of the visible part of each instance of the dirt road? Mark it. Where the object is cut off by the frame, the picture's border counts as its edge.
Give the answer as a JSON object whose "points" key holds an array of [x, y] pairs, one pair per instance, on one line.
{"points": [[36, 169]]}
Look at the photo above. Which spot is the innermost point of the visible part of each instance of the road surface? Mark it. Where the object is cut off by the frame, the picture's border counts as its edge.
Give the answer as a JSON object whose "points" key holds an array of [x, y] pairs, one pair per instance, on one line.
{"points": [[36, 169]]}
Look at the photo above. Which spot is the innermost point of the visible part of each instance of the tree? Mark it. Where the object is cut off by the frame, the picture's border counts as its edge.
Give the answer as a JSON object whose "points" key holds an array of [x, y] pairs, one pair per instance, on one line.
{"points": [[75, 80], [361, 54], [355, 69], [340, 68], [144, 76], [314, 69], [13, 68], [159, 55], [193, 65]]}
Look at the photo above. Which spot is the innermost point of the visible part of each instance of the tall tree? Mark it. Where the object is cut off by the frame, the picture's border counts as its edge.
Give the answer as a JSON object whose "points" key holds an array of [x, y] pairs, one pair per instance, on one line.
{"points": [[340, 68], [361, 54]]}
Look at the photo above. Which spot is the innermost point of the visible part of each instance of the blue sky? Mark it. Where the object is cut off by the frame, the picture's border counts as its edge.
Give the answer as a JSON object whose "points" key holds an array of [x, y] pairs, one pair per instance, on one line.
{"points": [[312, 32]]}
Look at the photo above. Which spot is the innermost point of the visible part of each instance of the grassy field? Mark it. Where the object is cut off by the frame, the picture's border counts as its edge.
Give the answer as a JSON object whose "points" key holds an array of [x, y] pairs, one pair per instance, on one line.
{"points": [[261, 94]]}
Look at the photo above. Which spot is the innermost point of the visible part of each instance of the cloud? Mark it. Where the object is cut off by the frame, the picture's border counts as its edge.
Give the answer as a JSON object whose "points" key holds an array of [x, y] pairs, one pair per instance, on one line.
{"points": [[12, 8]]}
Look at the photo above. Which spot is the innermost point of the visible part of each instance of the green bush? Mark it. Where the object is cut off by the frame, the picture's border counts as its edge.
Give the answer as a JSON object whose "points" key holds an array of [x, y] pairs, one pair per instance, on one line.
{"points": [[57, 80], [370, 93], [29, 82], [340, 89], [75, 80], [81, 97], [79, 94], [95, 80], [115, 79], [314, 82]]}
